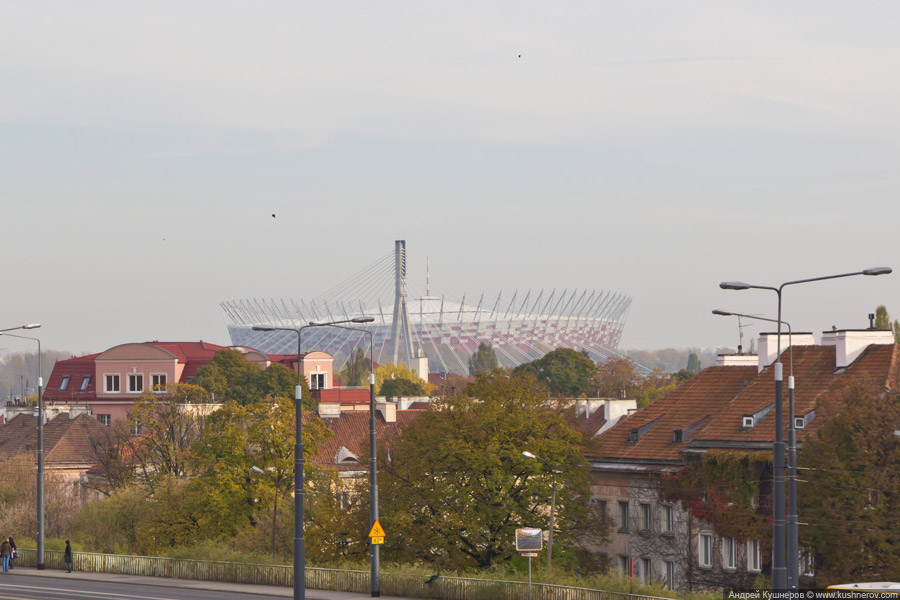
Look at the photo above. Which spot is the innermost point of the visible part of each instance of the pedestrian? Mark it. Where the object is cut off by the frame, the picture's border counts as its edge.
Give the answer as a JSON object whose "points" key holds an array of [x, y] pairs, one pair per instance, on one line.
{"points": [[13, 552], [5, 551], [67, 556]]}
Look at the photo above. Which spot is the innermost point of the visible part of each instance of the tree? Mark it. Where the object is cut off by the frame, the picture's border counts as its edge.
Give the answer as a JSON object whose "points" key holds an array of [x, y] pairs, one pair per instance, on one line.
{"points": [[169, 425], [615, 378], [883, 321], [693, 363], [391, 371], [456, 482], [400, 388], [483, 360], [356, 371], [850, 490], [229, 376], [565, 371]]}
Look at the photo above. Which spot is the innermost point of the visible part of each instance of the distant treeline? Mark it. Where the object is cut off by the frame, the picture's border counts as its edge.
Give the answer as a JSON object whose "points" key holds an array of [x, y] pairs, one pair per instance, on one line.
{"points": [[672, 360], [19, 369]]}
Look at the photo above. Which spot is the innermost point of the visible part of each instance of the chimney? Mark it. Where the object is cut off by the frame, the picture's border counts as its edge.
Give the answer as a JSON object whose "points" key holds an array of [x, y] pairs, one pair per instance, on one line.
{"points": [[388, 411], [767, 347], [850, 343]]}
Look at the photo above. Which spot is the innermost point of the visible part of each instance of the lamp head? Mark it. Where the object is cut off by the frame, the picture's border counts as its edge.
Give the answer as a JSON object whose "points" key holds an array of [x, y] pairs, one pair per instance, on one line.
{"points": [[878, 271], [734, 285], [256, 469], [37, 325], [528, 454], [721, 313], [260, 328], [362, 319]]}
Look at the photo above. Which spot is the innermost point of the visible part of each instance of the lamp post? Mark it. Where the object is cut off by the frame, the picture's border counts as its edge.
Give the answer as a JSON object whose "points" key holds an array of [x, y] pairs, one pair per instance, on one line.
{"points": [[787, 575], [375, 579], [40, 442], [553, 473], [299, 542], [256, 469]]}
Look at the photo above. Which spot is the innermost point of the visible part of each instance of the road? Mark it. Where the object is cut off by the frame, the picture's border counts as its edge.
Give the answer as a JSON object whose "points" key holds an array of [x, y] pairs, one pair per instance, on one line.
{"points": [[29, 584]]}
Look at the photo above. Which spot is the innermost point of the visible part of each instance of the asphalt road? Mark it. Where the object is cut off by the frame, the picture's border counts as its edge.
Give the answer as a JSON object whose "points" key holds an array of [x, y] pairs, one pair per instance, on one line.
{"points": [[20, 587], [30, 584]]}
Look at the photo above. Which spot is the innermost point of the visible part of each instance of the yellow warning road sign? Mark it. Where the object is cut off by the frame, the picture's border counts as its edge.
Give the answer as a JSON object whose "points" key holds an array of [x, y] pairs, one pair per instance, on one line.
{"points": [[377, 539], [377, 531]]}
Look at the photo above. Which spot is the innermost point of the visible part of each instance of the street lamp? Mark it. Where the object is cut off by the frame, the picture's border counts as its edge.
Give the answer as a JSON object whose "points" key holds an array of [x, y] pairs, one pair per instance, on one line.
{"points": [[553, 473], [256, 469], [787, 576], [299, 542], [373, 472], [40, 442]]}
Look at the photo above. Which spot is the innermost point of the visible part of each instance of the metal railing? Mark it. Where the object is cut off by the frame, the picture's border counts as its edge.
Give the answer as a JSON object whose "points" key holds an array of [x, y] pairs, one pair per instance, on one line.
{"points": [[340, 580]]}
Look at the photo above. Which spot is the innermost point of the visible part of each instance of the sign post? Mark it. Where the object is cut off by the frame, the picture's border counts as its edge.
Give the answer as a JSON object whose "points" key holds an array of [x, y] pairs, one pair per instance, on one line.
{"points": [[529, 542]]}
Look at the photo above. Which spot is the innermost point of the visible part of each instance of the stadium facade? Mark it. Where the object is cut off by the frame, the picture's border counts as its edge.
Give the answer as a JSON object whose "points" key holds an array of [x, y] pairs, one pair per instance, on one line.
{"points": [[520, 327]]}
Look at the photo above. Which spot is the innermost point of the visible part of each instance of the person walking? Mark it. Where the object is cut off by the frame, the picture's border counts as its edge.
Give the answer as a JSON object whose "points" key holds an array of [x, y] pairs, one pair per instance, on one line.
{"points": [[13, 552], [5, 551], [67, 556]]}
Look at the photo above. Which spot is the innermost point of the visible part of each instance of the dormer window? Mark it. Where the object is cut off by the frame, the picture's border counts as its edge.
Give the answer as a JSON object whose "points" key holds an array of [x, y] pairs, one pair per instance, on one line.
{"points": [[677, 435], [747, 422], [632, 435], [85, 381], [64, 383], [799, 422]]}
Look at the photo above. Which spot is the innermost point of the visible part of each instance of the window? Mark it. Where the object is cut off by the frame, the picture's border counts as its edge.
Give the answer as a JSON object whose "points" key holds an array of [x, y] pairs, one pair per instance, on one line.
{"points": [[85, 381], [105, 419], [753, 555], [728, 558], [136, 429], [670, 574], [64, 383], [668, 519], [604, 515], [645, 517], [646, 570], [135, 383], [623, 515], [317, 381], [158, 382], [112, 384], [625, 564], [704, 550]]}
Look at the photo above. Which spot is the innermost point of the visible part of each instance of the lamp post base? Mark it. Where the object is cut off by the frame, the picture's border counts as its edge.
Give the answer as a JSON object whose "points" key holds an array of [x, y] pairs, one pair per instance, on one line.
{"points": [[40, 567]]}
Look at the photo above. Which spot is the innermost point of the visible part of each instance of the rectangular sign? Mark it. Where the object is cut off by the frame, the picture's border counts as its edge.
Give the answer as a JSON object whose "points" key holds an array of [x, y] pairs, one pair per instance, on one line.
{"points": [[377, 539], [529, 539], [530, 554]]}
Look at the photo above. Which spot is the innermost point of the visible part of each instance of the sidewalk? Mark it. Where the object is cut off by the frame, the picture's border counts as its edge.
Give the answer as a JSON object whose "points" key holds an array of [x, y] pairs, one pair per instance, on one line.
{"points": [[237, 588]]}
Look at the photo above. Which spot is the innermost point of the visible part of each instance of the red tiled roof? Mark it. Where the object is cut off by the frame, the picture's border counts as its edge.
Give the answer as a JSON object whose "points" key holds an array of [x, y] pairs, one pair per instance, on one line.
{"points": [[351, 431], [814, 374], [590, 426], [66, 441], [696, 399], [342, 395], [709, 407], [76, 368]]}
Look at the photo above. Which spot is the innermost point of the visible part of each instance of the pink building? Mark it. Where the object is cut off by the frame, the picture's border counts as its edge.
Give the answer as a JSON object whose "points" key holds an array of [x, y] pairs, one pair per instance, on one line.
{"points": [[110, 383]]}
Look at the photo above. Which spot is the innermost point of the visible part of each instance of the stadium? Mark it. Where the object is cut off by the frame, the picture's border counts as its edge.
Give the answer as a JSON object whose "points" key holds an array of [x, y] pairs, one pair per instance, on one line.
{"points": [[446, 329]]}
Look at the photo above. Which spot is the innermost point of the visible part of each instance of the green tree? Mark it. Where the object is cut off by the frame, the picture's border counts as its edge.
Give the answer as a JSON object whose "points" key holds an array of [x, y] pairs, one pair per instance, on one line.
{"points": [[400, 388], [456, 483], [356, 371], [615, 378], [565, 371], [483, 360], [169, 425], [693, 363], [883, 321], [229, 376], [850, 489]]}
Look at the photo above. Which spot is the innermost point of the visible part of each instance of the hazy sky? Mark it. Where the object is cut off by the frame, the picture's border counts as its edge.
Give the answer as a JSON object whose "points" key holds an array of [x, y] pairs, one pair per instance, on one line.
{"points": [[651, 148]]}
